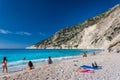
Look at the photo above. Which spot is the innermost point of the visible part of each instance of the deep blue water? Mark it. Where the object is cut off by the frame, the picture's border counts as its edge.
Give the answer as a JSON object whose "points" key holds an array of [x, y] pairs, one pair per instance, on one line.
{"points": [[15, 56]]}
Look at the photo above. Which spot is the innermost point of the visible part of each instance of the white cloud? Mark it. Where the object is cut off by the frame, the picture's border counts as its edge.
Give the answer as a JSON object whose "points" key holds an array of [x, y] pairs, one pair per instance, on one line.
{"points": [[42, 34], [24, 33], [3, 31]]}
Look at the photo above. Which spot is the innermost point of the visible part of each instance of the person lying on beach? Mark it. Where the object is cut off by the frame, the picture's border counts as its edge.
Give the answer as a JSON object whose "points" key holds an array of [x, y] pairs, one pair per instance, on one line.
{"points": [[4, 64], [94, 65], [50, 60], [30, 66]]}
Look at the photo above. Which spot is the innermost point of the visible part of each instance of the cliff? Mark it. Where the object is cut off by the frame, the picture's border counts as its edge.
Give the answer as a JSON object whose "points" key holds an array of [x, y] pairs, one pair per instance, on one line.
{"points": [[99, 32]]}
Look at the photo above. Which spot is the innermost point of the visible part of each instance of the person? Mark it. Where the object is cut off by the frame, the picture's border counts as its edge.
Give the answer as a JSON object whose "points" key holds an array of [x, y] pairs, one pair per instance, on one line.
{"points": [[84, 55], [110, 50], [118, 51], [24, 58], [30, 65], [4, 64], [94, 65], [50, 60], [94, 53]]}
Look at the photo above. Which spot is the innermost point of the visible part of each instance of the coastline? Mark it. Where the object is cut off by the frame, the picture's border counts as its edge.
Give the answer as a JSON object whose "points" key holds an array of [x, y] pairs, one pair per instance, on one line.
{"points": [[37, 57], [66, 69]]}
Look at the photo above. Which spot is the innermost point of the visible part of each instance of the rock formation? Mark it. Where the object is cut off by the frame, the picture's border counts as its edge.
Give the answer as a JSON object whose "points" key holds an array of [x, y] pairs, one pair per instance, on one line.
{"points": [[99, 32]]}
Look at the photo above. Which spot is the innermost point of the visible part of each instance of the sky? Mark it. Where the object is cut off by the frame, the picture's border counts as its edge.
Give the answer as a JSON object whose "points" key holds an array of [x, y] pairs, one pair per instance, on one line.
{"points": [[26, 22]]}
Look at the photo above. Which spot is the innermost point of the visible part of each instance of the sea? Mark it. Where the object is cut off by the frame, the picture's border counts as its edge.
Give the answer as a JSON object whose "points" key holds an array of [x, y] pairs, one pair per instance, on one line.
{"points": [[17, 59]]}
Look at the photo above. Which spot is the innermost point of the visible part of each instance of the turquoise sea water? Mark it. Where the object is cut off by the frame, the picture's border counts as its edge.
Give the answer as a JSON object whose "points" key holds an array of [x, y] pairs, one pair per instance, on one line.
{"points": [[15, 57]]}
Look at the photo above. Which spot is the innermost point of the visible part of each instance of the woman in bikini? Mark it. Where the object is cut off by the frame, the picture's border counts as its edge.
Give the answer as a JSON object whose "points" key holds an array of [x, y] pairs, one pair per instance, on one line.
{"points": [[4, 64]]}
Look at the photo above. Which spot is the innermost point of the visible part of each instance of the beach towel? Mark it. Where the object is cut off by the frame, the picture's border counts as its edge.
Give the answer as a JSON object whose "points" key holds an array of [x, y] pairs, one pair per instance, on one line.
{"points": [[90, 67], [85, 71]]}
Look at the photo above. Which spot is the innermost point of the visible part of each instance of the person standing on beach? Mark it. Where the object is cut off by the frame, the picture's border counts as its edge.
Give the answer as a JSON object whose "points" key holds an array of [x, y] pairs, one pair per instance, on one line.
{"points": [[85, 54], [24, 58], [4, 64], [50, 60], [94, 53]]}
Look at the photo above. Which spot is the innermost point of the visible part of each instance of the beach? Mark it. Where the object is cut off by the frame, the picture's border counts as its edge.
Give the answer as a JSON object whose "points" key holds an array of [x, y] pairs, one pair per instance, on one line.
{"points": [[66, 69]]}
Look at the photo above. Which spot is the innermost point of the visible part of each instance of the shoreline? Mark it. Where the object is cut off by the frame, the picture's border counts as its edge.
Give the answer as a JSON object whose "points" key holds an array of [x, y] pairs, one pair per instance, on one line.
{"points": [[55, 60], [65, 69], [21, 64]]}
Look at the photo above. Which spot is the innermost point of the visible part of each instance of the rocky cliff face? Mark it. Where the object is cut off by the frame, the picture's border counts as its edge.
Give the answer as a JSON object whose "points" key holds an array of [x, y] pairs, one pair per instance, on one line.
{"points": [[102, 31]]}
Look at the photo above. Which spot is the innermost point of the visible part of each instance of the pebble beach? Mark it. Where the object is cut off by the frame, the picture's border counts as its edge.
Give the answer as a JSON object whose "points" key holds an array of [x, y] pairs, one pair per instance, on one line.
{"points": [[66, 69]]}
